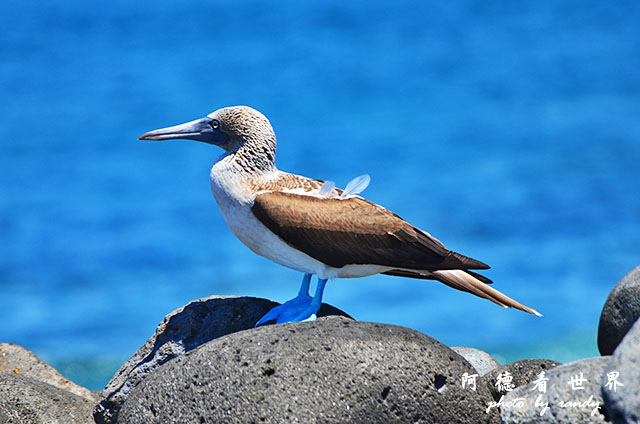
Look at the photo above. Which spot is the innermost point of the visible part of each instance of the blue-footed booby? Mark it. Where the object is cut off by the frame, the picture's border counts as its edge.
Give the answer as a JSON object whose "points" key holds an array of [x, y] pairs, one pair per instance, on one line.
{"points": [[313, 227]]}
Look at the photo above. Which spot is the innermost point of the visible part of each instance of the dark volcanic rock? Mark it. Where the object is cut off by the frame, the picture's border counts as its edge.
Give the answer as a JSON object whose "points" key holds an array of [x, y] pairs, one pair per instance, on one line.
{"points": [[181, 331], [565, 405], [332, 370], [24, 400], [623, 401], [522, 372], [481, 360], [620, 311], [15, 359]]}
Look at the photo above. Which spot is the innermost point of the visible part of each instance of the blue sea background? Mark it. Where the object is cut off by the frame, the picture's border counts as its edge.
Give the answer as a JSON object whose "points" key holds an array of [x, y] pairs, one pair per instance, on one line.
{"points": [[509, 130]]}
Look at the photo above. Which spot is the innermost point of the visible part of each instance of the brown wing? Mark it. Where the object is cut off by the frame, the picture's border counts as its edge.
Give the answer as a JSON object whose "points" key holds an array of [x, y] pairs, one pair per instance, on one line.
{"points": [[340, 232]]}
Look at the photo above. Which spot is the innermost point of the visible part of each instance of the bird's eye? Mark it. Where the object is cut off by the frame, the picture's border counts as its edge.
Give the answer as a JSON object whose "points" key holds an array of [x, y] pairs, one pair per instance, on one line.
{"points": [[215, 124]]}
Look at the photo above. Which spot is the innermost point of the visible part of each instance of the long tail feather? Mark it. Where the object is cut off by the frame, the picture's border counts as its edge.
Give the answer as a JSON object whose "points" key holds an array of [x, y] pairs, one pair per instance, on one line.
{"points": [[461, 280], [426, 275]]}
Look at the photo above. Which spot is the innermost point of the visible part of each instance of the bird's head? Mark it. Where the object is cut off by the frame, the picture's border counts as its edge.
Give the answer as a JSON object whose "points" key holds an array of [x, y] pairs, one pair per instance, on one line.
{"points": [[236, 128]]}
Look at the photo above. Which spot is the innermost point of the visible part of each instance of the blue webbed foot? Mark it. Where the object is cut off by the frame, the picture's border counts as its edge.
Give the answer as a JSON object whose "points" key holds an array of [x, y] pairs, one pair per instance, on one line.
{"points": [[288, 311], [299, 309]]}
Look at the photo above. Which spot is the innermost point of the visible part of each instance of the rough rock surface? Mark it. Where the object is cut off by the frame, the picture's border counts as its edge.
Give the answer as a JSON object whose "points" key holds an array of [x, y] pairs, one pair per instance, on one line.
{"points": [[522, 372], [565, 405], [623, 403], [481, 360], [24, 400], [620, 311], [16, 359], [332, 370], [181, 331]]}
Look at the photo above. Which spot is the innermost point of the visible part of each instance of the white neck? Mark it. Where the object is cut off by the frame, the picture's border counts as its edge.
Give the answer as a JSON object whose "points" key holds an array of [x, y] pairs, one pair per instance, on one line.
{"points": [[232, 180]]}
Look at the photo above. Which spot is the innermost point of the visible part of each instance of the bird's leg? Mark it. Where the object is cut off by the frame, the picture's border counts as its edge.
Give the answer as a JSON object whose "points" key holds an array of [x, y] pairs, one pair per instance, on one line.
{"points": [[298, 303], [304, 287], [316, 302], [304, 310]]}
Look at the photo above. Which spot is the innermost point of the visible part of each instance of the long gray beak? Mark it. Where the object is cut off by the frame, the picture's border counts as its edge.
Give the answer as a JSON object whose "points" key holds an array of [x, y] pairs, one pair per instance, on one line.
{"points": [[199, 130]]}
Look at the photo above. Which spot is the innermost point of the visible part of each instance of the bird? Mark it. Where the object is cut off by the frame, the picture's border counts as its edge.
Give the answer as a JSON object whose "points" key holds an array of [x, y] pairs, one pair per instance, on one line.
{"points": [[311, 226]]}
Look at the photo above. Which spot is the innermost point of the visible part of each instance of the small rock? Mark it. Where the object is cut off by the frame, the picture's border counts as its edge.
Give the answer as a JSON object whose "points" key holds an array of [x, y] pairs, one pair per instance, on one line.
{"points": [[481, 360], [560, 403], [15, 359], [620, 311], [521, 373], [181, 331], [623, 401], [24, 400], [332, 370]]}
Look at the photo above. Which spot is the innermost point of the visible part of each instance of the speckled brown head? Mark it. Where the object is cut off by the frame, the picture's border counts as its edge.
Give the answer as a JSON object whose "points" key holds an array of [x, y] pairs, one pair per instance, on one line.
{"points": [[237, 129]]}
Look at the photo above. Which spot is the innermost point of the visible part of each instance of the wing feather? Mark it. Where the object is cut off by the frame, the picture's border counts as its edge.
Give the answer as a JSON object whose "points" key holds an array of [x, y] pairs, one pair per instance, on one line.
{"points": [[340, 232]]}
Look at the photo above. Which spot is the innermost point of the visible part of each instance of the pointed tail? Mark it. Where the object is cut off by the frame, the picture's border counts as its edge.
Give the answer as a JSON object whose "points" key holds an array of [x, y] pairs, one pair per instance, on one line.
{"points": [[461, 280]]}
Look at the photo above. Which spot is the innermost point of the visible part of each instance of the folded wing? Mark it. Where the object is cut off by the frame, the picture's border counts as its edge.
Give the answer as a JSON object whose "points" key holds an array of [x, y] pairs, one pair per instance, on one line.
{"points": [[341, 232]]}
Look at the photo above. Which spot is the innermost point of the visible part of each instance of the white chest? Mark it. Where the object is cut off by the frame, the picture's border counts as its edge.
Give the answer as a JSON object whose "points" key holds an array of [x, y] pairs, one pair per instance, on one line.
{"points": [[234, 195], [235, 199]]}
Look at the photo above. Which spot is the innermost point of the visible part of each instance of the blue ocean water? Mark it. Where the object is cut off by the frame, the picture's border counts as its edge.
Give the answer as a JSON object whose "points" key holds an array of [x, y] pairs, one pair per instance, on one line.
{"points": [[510, 131]]}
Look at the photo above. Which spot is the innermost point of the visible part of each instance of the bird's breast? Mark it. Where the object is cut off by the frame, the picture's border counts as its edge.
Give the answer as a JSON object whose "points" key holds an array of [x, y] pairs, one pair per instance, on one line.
{"points": [[235, 197], [253, 234]]}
